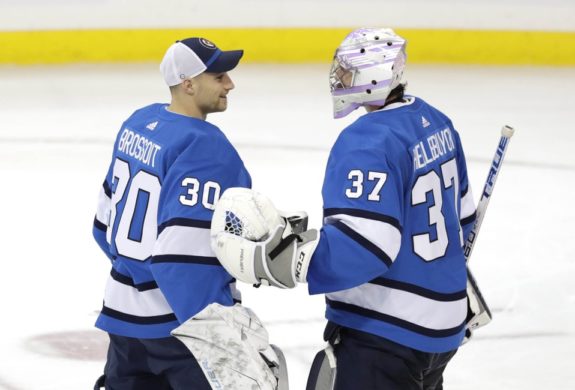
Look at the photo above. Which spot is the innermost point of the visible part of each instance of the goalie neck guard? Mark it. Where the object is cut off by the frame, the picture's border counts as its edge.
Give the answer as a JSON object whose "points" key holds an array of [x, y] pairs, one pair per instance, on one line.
{"points": [[366, 67]]}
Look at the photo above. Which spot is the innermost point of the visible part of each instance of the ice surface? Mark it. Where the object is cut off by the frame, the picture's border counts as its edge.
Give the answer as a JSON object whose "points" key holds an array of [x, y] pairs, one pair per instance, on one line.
{"points": [[57, 125]]}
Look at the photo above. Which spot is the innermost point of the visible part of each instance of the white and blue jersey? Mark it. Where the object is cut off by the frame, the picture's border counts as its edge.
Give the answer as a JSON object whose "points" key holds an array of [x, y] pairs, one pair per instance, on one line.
{"points": [[153, 222], [397, 205]]}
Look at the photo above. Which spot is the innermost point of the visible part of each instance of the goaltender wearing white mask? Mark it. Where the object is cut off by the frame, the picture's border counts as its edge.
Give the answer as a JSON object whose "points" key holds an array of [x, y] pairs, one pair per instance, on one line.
{"points": [[397, 204]]}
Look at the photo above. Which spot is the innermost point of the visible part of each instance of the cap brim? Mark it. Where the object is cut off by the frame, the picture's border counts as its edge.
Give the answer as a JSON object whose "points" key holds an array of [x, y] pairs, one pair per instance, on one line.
{"points": [[226, 61]]}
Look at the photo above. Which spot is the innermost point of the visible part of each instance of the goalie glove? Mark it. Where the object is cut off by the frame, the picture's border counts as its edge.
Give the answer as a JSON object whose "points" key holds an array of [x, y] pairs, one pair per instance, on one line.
{"points": [[297, 221], [279, 261], [267, 248]]}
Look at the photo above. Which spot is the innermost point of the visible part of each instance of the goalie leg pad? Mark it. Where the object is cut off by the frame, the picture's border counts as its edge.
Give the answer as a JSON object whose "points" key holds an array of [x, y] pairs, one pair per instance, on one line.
{"points": [[323, 371], [478, 314], [280, 371], [232, 348]]}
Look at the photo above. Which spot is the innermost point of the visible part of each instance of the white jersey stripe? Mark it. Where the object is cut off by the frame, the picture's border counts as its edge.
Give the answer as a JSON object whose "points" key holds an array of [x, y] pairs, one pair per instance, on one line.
{"points": [[404, 305], [103, 209], [184, 240], [467, 205], [236, 294], [129, 300], [382, 234]]}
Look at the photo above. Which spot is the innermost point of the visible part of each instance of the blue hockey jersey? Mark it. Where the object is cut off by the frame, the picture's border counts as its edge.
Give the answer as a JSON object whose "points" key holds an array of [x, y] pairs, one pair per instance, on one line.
{"points": [[153, 222], [397, 204]]}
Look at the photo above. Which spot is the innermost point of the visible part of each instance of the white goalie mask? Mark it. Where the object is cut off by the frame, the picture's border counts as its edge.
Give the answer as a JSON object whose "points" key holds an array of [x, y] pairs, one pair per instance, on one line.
{"points": [[366, 67]]}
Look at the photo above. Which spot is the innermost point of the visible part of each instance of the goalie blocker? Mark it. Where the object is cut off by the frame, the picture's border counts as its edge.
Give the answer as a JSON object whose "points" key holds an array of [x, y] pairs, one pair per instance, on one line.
{"points": [[259, 245]]}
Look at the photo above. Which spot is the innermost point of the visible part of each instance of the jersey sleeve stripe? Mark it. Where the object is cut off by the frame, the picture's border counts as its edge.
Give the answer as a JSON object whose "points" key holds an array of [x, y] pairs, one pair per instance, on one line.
{"points": [[118, 277], [468, 220], [107, 189], [467, 205], [185, 241], [436, 296], [382, 234], [363, 214], [236, 294], [186, 260], [184, 222], [436, 333], [364, 242], [149, 320], [103, 209], [99, 225]]}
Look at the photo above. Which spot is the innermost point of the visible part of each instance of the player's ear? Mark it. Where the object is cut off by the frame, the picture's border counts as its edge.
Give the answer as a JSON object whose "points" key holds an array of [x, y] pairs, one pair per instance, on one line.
{"points": [[189, 86]]}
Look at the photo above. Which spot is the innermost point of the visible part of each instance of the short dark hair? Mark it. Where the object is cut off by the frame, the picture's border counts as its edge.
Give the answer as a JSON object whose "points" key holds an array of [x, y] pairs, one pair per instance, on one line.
{"points": [[396, 94]]}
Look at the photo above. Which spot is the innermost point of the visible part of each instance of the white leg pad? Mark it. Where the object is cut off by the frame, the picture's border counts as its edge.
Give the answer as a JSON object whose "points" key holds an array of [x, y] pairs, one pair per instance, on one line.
{"points": [[231, 346], [323, 370]]}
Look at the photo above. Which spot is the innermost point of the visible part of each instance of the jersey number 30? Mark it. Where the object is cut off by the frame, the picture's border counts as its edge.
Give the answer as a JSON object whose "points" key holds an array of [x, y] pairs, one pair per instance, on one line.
{"points": [[137, 225]]}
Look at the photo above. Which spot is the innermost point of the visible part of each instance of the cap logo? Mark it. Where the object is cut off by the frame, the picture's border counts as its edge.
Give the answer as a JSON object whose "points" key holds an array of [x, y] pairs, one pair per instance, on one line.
{"points": [[207, 43], [182, 76]]}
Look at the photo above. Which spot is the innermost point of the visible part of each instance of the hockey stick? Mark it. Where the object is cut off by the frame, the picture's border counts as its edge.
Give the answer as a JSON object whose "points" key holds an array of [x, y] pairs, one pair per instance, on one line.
{"points": [[480, 313]]}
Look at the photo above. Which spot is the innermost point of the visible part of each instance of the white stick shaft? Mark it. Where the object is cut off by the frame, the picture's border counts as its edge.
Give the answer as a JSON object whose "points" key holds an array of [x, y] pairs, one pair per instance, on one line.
{"points": [[481, 313], [506, 134]]}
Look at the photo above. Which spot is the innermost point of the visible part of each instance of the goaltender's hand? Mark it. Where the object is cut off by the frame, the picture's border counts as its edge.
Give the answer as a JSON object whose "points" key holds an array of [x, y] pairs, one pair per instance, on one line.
{"points": [[259, 245], [278, 261]]}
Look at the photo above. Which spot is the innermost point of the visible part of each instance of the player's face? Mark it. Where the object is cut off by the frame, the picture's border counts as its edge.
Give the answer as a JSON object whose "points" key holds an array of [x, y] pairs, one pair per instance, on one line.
{"points": [[340, 77], [212, 92]]}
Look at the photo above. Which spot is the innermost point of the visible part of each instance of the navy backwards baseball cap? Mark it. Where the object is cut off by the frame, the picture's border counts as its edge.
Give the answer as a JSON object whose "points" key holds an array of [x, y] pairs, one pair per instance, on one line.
{"points": [[192, 56]]}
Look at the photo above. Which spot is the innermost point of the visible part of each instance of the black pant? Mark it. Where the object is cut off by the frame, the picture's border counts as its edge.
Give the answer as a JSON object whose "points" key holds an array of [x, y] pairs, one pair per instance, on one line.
{"points": [[151, 364], [366, 362]]}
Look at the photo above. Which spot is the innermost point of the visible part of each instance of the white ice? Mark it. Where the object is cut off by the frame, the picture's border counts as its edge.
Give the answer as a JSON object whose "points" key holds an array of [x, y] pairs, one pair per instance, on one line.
{"points": [[57, 126]]}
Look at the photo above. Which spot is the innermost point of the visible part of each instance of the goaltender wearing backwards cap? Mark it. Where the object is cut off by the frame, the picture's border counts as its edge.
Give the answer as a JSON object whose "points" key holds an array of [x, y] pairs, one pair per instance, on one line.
{"points": [[190, 57], [195, 64], [169, 166]]}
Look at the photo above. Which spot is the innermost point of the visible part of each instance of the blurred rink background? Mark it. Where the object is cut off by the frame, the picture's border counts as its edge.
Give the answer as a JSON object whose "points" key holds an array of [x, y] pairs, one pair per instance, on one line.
{"points": [[72, 71]]}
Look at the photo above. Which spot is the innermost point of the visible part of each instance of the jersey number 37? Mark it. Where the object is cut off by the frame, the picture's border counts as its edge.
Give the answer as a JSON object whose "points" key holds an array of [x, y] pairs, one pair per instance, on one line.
{"points": [[437, 183]]}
